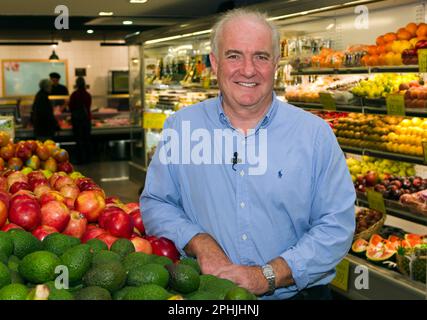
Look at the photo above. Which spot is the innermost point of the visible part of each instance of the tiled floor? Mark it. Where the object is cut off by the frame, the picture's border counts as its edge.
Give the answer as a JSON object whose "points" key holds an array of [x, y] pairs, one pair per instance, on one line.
{"points": [[113, 177]]}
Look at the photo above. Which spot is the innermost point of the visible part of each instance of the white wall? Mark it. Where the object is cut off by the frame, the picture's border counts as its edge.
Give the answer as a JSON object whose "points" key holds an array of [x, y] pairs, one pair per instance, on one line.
{"points": [[80, 54]]}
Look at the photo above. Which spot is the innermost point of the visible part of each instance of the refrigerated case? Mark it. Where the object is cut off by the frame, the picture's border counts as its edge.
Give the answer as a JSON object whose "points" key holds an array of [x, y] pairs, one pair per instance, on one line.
{"points": [[322, 50]]}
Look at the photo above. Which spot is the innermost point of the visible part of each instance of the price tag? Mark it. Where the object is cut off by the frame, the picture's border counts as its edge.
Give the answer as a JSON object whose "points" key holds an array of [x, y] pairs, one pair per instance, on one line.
{"points": [[395, 105], [153, 120], [425, 151], [422, 60], [327, 101], [341, 279], [375, 200], [7, 124]]}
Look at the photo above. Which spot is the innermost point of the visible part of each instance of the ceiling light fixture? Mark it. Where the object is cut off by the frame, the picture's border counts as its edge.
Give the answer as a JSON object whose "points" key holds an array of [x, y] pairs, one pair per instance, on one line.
{"points": [[127, 22], [106, 13], [138, 1], [178, 36], [53, 56], [330, 26], [90, 31]]}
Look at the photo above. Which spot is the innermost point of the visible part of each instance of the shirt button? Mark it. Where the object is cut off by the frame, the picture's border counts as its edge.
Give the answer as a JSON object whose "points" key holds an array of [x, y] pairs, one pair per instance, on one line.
{"points": [[244, 237], [242, 205], [242, 173]]}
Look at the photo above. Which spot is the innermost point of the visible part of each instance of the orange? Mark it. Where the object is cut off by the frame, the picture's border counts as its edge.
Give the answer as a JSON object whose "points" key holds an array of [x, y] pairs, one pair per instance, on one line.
{"points": [[364, 60], [373, 60], [389, 37], [412, 28], [382, 59], [403, 34], [372, 50], [388, 46], [380, 40], [381, 49], [422, 30]]}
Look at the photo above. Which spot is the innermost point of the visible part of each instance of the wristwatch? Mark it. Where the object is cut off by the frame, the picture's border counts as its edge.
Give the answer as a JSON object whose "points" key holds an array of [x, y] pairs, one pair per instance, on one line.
{"points": [[268, 272]]}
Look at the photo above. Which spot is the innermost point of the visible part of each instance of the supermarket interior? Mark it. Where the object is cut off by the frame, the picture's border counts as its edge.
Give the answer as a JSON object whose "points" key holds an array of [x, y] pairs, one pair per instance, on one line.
{"points": [[359, 65]]}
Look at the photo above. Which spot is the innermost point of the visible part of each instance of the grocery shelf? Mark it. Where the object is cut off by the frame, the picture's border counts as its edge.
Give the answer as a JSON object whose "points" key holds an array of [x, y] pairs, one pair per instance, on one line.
{"points": [[354, 70], [384, 284], [394, 208], [410, 112], [384, 154]]}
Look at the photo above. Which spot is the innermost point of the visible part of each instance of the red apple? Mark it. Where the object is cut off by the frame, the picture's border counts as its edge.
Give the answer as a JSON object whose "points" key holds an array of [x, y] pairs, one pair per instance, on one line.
{"points": [[61, 155], [69, 202], [81, 182], [42, 152], [3, 213], [35, 175], [51, 196], [32, 145], [41, 189], [137, 221], [107, 238], [165, 247], [62, 181], [22, 151], [55, 214], [91, 233], [91, 204], [42, 231], [106, 214], [50, 164], [25, 214], [66, 167], [120, 224], [142, 245], [55, 176], [22, 196], [19, 185], [35, 183], [77, 225], [10, 226]]}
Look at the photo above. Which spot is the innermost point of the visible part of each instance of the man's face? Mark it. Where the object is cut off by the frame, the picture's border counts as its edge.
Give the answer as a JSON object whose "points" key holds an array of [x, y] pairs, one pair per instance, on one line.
{"points": [[55, 81], [245, 65]]}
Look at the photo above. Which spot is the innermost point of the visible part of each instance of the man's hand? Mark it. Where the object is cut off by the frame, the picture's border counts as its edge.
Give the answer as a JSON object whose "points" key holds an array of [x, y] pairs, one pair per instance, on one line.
{"points": [[209, 254], [248, 277]]}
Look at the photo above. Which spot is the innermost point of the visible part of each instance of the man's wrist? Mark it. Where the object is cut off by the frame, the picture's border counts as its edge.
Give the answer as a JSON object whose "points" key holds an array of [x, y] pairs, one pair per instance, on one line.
{"points": [[270, 277]]}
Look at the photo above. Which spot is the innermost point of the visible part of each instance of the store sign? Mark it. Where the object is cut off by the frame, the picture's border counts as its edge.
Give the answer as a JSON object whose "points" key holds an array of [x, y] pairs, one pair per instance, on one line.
{"points": [[7, 124], [327, 101], [395, 105], [153, 120], [342, 271], [425, 151], [376, 200], [422, 60]]}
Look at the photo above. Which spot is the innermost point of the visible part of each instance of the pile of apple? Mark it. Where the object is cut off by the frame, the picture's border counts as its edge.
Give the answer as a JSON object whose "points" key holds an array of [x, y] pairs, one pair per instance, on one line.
{"points": [[73, 205], [32, 155]]}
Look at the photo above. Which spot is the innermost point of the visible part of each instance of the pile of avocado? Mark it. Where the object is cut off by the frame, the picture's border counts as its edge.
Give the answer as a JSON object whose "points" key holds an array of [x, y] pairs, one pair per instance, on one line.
{"points": [[61, 268]]}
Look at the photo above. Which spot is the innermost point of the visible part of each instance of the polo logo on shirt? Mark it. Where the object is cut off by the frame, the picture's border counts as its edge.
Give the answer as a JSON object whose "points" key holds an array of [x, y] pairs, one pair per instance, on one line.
{"points": [[280, 173]]}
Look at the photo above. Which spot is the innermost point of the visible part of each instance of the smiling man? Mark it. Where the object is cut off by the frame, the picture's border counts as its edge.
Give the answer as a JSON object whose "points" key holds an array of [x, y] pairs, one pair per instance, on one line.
{"points": [[278, 232]]}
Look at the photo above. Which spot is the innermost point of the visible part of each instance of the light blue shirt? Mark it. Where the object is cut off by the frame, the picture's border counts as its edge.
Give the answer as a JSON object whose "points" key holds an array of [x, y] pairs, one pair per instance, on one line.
{"points": [[301, 208]]}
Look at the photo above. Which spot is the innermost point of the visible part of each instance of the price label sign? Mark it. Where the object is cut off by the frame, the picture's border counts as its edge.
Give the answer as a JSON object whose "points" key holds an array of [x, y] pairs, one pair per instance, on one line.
{"points": [[422, 60], [395, 105], [425, 151], [375, 200], [341, 279], [7, 124], [327, 101], [153, 120]]}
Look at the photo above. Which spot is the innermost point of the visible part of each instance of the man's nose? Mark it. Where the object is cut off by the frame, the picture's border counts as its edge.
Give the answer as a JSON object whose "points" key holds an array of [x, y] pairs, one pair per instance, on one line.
{"points": [[248, 67]]}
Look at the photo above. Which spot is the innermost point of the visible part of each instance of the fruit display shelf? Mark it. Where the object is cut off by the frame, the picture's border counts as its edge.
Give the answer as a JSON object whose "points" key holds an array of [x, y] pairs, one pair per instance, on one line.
{"points": [[384, 284], [355, 70], [383, 154], [410, 112], [394, 208]]}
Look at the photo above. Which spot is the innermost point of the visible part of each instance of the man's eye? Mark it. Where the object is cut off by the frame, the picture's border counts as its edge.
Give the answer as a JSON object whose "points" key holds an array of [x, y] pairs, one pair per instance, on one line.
{"points": [[232, 57], [264, 58]]}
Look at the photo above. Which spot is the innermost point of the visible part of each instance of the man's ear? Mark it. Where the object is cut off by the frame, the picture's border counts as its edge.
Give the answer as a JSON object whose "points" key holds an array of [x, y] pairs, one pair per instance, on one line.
{"points": [[214, 62]]}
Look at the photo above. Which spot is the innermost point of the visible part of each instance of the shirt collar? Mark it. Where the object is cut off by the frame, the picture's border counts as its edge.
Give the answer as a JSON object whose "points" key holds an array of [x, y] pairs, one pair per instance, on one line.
{"points": [[264, 122]]}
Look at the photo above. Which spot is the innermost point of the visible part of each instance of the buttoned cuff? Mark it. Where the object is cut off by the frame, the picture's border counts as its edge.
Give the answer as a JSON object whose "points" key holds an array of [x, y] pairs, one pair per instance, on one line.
{"points": [[297, 266], [185, 236]]}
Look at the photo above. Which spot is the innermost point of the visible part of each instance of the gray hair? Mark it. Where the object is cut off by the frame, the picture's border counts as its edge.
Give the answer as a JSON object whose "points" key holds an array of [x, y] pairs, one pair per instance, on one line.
{"points": [[253, 15], [44, 84]]}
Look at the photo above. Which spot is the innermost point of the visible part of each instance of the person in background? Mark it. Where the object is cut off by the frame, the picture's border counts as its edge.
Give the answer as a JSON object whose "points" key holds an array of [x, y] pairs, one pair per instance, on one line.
{"points": [[278, 229], [44, 122], [79, 104], [57, 89]]}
